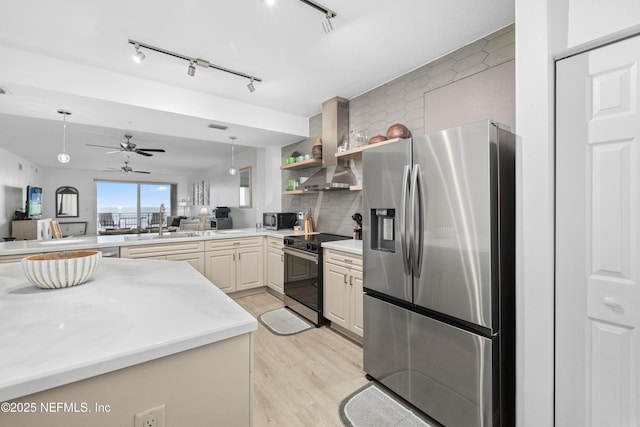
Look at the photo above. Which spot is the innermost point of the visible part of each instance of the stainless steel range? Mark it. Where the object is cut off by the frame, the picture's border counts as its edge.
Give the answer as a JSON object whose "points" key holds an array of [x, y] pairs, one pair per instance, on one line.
{"points": [[303, 274]]}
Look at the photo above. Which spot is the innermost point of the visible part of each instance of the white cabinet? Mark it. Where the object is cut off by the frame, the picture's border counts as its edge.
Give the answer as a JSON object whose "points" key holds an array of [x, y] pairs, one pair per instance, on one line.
{"points": [[192, 252], [37, 229], [275, 264], [235, 264], [343, 299]]}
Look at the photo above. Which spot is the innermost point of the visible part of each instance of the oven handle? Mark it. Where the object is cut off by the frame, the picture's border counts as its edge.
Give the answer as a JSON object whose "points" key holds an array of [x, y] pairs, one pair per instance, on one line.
{"points": [[301, 254]]}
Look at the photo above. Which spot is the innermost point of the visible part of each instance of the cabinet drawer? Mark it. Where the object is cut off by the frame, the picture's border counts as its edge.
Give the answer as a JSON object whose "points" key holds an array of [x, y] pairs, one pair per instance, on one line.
{"points": [[212, 245], [343, 258], [273, 242], [142, 251]]}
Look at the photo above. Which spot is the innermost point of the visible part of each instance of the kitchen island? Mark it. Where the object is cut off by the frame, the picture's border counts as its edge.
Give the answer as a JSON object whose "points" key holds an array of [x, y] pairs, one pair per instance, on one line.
{"points": [[138, 335]]}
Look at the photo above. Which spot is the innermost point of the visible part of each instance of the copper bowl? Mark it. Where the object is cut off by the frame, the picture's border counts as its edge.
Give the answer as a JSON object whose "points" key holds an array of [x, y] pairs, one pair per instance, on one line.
{"points": [[398, 131], [377, 138]]}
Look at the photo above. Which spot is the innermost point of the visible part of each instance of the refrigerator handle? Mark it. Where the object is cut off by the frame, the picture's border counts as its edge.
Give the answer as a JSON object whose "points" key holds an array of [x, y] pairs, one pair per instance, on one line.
{"points": [[417, 237], [403, 218]]}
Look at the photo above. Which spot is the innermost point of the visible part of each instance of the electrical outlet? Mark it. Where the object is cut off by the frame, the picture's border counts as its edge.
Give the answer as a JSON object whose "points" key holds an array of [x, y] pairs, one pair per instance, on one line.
{"points": [[153, 417]]}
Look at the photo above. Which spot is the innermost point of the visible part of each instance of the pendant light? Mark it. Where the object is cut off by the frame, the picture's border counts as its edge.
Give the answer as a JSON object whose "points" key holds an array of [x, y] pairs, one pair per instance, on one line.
{"points": [[232, 169], [64, 157]]}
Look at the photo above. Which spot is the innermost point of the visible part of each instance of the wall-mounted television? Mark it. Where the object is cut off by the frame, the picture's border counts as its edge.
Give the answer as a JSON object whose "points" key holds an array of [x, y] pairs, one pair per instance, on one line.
{"points": [[34, 201]]}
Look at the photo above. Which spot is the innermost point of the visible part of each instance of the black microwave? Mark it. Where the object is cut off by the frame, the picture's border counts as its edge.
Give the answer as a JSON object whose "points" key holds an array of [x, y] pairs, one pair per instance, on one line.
{"points": [[279, 220]]}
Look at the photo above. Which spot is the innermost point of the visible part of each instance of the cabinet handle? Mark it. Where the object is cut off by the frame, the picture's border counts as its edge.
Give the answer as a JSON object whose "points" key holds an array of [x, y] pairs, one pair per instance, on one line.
{"points": [[238, 257], [350, 280], [234, 257], [282, 258], [345, 279], [348, 260]]}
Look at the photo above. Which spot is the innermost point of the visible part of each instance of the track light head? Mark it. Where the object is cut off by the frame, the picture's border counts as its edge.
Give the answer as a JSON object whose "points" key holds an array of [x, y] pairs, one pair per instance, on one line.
{"points": [[251, 87], [191, 70], [326, 24], [139, 56]]}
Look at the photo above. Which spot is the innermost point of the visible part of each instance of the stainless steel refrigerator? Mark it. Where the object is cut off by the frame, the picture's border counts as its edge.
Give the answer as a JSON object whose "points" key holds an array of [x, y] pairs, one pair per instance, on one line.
{"points": [[439, 272]]}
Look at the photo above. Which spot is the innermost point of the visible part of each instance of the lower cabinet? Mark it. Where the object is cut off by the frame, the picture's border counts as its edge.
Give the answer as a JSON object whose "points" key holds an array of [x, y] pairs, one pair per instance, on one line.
{"points": [[343, 295], [192, 252], [235, 264], [275, 264]]}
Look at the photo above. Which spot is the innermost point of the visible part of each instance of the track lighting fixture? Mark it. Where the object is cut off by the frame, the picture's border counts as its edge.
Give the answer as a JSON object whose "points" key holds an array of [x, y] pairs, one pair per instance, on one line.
{"points": [[328, 14], [232, 169], [63, 157], [139, 56]]}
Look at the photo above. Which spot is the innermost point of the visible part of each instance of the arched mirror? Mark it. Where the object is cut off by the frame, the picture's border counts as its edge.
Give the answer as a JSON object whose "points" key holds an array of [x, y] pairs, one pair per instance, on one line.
{"points": [[67, 205], [245, 187]]}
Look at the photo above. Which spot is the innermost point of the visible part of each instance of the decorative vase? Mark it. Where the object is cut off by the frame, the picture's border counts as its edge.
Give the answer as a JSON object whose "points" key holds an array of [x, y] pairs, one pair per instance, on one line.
{"points": [[316, 150], [398, 131]]}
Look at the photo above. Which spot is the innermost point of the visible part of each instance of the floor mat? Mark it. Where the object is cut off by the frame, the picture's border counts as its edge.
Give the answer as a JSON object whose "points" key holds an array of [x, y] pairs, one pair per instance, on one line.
{"points": [[283, 322], [372, 406]]}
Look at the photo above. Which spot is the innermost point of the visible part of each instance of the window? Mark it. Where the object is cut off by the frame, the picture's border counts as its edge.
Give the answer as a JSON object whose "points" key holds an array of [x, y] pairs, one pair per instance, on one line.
{"points": [[133, 206]]}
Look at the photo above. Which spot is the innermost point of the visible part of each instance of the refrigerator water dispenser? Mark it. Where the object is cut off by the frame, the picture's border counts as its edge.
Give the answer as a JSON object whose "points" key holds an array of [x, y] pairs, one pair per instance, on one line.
{"points": [[383, 230]]}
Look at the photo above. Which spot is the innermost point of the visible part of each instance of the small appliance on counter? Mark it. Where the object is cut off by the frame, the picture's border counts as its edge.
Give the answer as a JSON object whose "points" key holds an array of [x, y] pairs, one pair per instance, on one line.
{"points": [[279, 220], [221, 219], [357, 232]]}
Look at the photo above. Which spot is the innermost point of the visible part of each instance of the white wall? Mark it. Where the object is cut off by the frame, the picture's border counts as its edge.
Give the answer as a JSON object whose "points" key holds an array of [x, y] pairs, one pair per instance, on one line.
{"points": [[15, 174], [225, 188], [546, 30]]}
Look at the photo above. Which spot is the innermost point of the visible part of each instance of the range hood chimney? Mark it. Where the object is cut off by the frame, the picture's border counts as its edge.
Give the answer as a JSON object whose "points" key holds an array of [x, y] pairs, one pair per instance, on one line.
{"points": [[335, 174]]}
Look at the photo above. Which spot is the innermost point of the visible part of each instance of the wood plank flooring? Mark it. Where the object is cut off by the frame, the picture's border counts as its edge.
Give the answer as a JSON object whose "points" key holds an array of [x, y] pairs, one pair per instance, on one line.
{"points": [[300, 380]]}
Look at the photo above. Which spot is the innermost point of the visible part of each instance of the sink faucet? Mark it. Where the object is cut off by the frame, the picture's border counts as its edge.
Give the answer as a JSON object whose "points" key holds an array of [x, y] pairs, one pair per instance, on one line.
{"points": [[161, 219]]}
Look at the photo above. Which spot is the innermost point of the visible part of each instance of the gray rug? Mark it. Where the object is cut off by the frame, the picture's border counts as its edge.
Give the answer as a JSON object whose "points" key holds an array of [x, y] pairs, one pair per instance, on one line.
{"points": [[372, 406], [284, 322]]}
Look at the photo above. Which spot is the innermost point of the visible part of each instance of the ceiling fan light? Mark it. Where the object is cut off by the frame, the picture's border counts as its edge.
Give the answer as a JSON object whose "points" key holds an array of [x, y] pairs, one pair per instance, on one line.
{"points": [[251, 87], [191, 70], [64, 158], [233, 171]]}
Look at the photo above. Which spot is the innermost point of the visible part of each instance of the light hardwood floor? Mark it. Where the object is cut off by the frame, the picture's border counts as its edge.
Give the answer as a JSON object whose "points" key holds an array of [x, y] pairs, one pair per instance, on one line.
{"points": [[300, 380]]}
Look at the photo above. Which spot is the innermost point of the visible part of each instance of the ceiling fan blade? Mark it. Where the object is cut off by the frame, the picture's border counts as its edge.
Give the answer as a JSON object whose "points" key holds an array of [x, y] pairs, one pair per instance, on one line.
{"points": [[142, 153], [103, 146], [114, 152], [140, 171], [154, 150]]}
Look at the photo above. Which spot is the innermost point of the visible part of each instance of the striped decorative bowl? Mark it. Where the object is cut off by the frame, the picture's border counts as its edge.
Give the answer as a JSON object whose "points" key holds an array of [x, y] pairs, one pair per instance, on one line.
{"points": [[61, 269]]}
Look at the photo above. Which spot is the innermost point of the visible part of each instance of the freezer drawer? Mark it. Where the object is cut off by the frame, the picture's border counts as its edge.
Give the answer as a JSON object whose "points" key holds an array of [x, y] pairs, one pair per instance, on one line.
{"points": [[446, 372]]}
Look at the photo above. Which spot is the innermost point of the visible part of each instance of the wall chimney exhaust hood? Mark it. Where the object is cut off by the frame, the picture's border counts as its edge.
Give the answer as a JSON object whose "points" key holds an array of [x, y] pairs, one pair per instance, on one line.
{"points": [[335, 174]]}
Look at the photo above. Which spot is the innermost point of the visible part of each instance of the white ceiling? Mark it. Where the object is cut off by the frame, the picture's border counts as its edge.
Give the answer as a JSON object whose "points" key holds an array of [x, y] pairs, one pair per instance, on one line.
{"points": [[75, 55]]}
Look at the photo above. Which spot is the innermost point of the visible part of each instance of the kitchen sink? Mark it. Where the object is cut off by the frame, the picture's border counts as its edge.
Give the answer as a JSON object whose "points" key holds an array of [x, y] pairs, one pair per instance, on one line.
{"points": [[156, 237]]}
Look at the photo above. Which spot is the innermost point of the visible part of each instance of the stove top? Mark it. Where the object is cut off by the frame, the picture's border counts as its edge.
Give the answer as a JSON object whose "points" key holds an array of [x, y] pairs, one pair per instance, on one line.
{"points": [[311, 242]]}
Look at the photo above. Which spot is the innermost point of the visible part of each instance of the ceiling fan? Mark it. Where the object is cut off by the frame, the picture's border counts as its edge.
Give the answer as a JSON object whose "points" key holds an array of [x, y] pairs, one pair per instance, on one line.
{"points": [[127, 147], [125, 169]]}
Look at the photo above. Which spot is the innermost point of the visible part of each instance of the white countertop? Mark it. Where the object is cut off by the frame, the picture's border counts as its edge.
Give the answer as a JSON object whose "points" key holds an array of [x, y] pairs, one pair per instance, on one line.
{"points": [[20, 247], [131, 311], [350, 246]]}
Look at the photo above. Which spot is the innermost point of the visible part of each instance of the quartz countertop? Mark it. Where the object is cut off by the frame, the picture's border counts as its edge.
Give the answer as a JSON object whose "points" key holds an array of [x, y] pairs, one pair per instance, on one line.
{"points": [[25, 247], [350, 246], [129, 312]]}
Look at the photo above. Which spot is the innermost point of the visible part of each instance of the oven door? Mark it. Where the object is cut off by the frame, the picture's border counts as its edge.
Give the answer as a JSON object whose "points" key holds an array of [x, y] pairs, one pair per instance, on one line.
{"points": [[303, 284]]}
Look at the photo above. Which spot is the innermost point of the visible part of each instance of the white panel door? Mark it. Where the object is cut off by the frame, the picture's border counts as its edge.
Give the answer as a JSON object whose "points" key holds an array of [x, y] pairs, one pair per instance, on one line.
{"points": [[598, 237]]}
